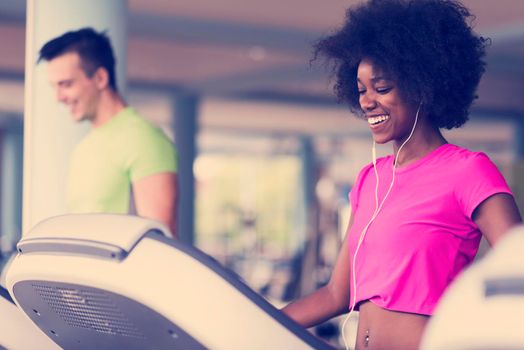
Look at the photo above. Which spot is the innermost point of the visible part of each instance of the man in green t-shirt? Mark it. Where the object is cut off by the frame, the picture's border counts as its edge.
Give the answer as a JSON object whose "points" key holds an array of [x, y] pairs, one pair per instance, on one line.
{"points": [[124, 161]]}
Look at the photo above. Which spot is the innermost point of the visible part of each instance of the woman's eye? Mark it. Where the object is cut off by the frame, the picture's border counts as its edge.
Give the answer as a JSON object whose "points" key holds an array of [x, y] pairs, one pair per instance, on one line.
{"points": [[361, 92], [383, 90]]}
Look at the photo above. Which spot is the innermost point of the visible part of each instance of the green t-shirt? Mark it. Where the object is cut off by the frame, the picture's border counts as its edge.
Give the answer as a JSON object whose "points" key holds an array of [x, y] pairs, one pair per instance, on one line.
{"points": [[111, 157]]}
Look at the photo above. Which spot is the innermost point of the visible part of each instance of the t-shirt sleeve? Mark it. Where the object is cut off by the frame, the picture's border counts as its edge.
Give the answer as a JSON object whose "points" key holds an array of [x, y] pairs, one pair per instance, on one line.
{"points": [[152, 153], [478, 180]]}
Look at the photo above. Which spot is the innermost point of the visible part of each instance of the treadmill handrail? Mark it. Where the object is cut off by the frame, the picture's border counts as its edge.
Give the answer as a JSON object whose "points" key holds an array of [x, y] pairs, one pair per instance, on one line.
{"points": [[106, 235], [71, 246]]}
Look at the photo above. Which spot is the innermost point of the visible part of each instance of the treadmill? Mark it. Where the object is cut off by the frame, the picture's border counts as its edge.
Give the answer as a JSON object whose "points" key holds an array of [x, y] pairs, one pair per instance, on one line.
{"points": [[109, 281], [484, 307]]}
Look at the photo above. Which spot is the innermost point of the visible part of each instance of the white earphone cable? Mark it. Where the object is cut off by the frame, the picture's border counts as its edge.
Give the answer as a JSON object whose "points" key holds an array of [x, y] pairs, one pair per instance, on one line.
{"points": [[375, 213]]}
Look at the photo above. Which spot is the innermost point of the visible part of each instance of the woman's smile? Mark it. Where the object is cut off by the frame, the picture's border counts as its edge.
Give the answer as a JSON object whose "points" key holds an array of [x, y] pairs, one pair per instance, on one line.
{"points": [[377, 121]]}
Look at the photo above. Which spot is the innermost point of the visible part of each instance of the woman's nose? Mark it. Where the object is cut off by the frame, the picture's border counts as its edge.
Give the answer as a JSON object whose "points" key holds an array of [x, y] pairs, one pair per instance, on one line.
{"points": [[367, 102]]}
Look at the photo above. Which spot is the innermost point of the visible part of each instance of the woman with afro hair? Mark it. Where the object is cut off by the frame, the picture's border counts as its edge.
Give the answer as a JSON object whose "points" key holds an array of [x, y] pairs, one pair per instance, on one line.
{"points": [[409, 68]]}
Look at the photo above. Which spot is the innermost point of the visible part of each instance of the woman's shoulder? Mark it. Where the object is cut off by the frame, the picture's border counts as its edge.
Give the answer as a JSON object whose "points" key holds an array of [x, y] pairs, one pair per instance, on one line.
{"points": [[460, 161], [381, 162], [464, 156]]}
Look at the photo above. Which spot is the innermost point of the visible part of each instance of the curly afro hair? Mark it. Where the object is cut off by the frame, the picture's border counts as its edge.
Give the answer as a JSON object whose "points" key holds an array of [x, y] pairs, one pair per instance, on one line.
{"points": [[426, 46]]}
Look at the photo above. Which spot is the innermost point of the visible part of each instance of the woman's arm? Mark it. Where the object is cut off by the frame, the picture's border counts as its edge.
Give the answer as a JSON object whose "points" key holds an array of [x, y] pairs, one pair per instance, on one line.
{"points": [[496, 215], [328, 301]]}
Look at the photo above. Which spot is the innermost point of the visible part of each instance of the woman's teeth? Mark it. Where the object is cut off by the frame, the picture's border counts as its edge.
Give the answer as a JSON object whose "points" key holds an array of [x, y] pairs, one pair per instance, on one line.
{"points": [[378, 119]]}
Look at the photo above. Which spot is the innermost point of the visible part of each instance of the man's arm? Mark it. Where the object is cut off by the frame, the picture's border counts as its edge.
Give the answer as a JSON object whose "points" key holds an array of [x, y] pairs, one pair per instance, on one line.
{"points": [[155, 197]]}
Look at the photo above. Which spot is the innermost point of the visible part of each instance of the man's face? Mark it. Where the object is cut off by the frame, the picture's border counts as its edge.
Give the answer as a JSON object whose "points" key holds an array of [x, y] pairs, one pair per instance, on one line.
{"points": [[73, 87]]}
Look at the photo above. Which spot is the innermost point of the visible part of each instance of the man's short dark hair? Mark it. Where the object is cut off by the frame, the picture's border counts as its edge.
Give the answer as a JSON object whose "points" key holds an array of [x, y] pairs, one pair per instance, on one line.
{"points": [[93, 48]]}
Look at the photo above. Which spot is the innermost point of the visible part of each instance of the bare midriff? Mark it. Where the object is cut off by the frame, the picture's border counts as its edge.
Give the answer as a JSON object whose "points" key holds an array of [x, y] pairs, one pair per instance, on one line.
{"points": [[380, 329]]}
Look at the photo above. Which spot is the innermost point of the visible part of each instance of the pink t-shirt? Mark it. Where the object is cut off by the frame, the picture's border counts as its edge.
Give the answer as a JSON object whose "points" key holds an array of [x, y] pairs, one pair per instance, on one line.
{"points": [[424, 235]]}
